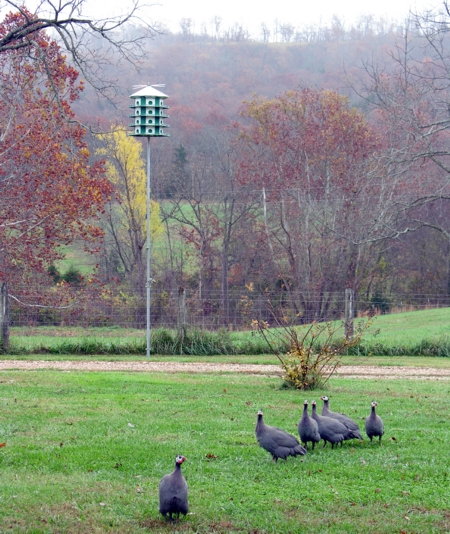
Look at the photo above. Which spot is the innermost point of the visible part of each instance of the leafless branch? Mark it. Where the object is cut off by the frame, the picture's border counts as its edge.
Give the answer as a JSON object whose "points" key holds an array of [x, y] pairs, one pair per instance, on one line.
{"points": [[40, 305], [91, 43]]}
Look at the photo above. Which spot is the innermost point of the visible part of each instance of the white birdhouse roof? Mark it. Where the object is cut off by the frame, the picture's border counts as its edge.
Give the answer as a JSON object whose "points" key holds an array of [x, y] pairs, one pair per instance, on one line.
{"points": [[149, 91]]}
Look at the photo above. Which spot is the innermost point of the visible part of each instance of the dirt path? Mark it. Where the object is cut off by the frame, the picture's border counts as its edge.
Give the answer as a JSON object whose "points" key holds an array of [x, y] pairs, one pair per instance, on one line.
{"points": [[424, 373]]}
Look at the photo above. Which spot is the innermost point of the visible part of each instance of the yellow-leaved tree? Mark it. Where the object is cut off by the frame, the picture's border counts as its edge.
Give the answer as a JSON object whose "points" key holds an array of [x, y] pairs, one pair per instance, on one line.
{"points": [[126, 215]]}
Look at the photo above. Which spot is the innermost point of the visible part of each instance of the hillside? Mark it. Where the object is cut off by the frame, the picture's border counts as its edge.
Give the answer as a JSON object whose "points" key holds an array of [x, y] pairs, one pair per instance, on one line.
{"points": [[207, 79]]}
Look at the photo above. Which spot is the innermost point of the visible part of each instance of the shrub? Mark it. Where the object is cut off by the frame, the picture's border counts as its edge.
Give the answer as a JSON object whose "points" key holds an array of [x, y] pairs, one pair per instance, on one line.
{"points": [[314, 351]]}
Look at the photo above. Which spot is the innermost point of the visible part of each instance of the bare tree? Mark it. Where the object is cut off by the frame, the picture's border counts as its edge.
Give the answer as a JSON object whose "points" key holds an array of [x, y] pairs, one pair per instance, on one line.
{"points": [[217, 22], [187, 28], [410, 95], [287, 32], [91, 44], [265, 32], [211, 211]]}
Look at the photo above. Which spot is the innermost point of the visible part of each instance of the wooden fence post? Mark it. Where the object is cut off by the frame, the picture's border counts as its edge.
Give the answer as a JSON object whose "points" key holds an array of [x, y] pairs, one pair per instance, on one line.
{"points": [[349, 313], [4, 315], [181, 319]]}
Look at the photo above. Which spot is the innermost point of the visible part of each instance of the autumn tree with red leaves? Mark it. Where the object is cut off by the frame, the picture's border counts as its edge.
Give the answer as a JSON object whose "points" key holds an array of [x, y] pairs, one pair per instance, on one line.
{"points": [[50, 193], [315, 161]]}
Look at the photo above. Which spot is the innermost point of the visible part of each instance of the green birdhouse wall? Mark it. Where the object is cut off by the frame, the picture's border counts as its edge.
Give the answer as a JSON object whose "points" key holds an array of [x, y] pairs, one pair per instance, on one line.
{"points": [[149, 113]]}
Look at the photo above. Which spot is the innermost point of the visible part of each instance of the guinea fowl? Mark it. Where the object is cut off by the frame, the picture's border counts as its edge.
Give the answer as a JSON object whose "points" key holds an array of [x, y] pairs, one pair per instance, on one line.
{"points": [[279, 443], [308, 429], [331, 430], [374, 424], [344, 419], [173, 492]]}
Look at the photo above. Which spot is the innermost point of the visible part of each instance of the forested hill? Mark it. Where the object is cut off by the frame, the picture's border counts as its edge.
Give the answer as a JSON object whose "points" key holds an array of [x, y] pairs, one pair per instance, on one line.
{"points": [[207, 79]]}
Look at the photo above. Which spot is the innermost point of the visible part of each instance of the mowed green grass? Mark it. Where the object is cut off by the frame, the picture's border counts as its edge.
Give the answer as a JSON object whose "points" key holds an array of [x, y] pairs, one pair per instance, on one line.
{"points": [[85, 452], [409, 327], [402, 329]]}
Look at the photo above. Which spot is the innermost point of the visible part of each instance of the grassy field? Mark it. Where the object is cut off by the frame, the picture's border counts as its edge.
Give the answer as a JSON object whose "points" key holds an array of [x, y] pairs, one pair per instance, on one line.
{"points": [[75, 257], [85, 452], [410, 328], [400, 334]]}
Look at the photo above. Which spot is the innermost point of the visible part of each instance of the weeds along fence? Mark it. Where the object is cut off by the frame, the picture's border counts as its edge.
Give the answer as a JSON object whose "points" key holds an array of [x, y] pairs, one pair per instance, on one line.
{"points": [[179, 307]]}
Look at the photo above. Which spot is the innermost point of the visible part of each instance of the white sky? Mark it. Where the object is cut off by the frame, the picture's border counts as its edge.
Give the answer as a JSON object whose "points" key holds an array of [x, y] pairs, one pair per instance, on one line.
{"points": [[251, 13]]}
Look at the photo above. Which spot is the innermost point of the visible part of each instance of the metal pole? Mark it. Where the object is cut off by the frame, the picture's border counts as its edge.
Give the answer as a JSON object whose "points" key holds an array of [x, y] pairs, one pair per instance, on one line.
{"points": [[148, 284], [4, 316]]}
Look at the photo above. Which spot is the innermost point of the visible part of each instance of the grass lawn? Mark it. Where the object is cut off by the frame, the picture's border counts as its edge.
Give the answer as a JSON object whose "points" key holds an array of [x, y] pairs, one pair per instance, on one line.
{"points": [[85, 452], [409, 327], [75, 257], [393, 334]]}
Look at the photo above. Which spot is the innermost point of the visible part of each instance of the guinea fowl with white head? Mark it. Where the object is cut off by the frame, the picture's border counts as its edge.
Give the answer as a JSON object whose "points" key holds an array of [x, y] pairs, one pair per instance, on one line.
{"points": [[279, 443], [374, 424], [308, 429], [342, 418], [173, 492]]}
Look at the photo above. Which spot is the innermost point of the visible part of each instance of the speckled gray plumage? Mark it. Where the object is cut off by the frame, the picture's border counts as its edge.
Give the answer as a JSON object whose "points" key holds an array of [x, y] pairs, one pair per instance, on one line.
{"points": [[308, 429], [330, 430], [173, 492], [277, 442], [342, 418], [374, 424]]}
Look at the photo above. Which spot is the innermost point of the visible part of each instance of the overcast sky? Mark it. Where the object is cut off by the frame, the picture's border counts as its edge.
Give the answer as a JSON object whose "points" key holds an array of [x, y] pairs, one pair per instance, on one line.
{"points": [[295, 12], [251, 13]]}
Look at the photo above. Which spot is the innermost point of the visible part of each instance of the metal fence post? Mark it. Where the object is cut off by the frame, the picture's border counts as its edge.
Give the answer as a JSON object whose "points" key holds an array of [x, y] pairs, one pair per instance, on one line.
{"points": [[181, 313], [349, 313], [4, 315]]}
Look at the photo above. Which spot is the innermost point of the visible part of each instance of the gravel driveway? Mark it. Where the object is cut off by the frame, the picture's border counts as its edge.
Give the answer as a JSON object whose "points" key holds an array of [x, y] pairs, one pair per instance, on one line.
{"points": [[424, 373]]}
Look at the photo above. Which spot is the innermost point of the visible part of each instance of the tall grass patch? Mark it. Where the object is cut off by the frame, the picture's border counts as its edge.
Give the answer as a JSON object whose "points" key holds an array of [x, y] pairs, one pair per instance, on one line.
{"points": [[89, 341]]}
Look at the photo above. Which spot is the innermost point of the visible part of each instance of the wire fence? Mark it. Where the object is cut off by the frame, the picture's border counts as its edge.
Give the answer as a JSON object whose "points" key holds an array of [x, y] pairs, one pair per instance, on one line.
{"points": [[173, 308]]}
